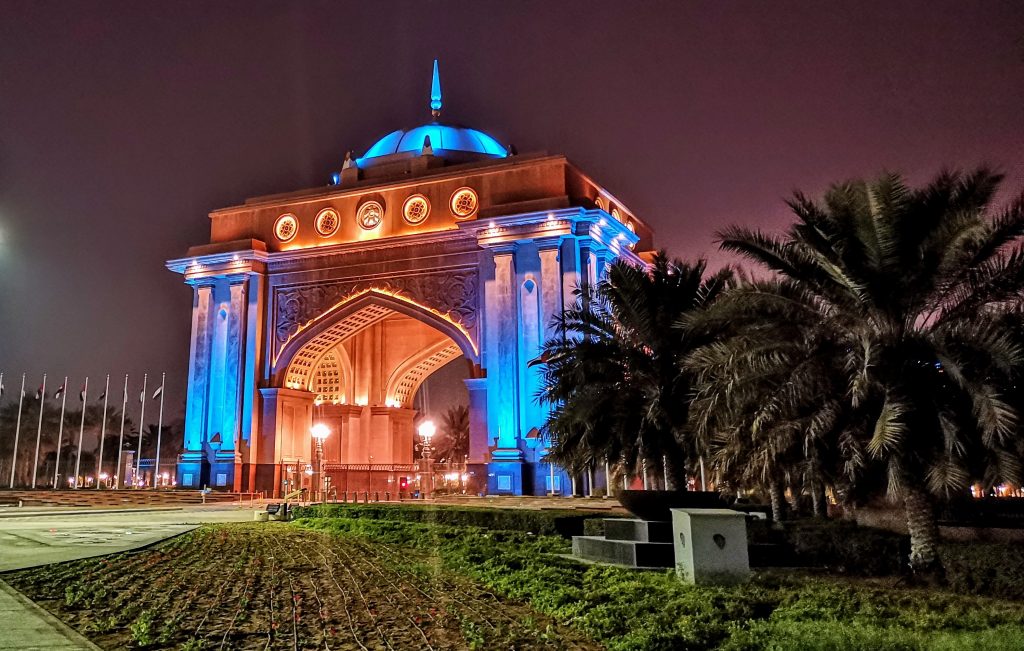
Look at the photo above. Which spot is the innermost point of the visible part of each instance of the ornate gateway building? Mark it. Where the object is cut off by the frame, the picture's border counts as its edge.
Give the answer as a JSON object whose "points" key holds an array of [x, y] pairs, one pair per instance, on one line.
{"points": [[333, 305]]}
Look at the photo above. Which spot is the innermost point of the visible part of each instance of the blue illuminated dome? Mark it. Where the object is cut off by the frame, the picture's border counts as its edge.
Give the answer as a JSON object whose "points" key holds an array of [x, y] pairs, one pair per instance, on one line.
{"points": [[442, 140], [442, 137]]}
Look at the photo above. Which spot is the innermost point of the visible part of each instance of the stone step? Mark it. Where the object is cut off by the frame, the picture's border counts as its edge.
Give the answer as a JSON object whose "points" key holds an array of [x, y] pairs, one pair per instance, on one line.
{"points": [[637, 530], [628, 553]]}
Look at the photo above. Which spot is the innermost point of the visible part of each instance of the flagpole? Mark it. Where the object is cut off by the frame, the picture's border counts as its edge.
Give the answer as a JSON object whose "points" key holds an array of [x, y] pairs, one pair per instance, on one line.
{"points": [[120, 444], [17, 430], [142, 425], [159, 431], [81, 429], [39, 430], [60, 430], [103, 432]]}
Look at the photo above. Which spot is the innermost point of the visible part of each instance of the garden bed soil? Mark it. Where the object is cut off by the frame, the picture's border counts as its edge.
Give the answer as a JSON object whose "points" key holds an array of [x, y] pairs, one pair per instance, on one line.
{"points": [[281, 587]]}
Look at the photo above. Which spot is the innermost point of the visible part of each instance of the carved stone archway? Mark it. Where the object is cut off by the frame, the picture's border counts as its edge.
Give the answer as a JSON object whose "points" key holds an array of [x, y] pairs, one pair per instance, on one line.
{"points": [[301, 351], [271, 306]]}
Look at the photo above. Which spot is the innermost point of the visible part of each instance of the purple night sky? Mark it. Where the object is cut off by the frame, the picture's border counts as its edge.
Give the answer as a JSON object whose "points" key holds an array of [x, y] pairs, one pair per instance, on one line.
{"points": [[123, 123]]}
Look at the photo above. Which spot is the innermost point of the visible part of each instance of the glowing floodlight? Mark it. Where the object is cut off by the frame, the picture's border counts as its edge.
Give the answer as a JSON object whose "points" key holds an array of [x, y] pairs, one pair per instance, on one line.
{"points": [[427, 429], [320, 431]]}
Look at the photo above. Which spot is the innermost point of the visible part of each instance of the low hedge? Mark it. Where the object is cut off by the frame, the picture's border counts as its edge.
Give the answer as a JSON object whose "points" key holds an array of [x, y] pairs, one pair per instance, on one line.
{"points": [[846, 548], [549, 522], [987, 569]]}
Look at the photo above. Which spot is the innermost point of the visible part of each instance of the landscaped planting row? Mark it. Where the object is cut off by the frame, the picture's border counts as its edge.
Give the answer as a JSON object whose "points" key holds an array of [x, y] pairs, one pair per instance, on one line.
{"points": [[566, 523], [276, 586], [626, 609], [361, 583]]}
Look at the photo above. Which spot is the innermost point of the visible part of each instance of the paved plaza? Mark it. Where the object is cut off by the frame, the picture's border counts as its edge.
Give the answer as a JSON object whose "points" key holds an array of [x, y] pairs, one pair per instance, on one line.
{"points": [[40, 536], [32, 537]]}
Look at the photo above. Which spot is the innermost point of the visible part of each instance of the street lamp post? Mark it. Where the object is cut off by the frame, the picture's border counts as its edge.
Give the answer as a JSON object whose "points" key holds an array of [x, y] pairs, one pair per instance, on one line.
{"points": [[320, 432], [427, 429]]}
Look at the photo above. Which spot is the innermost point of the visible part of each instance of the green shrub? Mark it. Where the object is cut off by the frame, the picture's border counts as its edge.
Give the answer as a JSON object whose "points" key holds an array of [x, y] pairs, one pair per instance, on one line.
{"points": [[547, 522], [593, 527], [846, 548], [142, 628], [987, 569]]}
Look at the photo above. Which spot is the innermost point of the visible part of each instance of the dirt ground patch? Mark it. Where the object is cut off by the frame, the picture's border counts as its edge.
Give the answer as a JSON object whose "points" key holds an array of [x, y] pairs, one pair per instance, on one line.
{"points": [[281, 587]]}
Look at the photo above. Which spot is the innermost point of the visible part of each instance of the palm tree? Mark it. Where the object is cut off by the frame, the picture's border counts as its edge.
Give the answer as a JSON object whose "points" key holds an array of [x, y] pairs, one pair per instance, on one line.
{"points": [[765, 410], [454, 439], [910, 287], [612, 373]]}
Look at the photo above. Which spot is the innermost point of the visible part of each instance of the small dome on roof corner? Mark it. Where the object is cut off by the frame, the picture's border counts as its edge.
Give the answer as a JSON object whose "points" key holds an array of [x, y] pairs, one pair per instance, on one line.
{"points": [[442, 137]]}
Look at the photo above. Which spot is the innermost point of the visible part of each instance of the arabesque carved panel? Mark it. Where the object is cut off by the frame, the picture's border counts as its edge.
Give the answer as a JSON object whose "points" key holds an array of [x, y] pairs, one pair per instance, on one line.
{"points": [[451, 293]]}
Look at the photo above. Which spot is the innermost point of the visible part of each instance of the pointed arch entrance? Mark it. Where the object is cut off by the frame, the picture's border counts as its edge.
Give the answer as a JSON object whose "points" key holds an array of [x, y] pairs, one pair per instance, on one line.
{"points": [[356, 369]]}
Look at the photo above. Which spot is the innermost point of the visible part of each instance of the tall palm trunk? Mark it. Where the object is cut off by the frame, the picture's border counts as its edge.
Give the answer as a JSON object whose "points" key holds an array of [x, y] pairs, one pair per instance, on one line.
{"points": [[675, 473], [795, 494], [819, 501], [778, 500], [924, 534]]}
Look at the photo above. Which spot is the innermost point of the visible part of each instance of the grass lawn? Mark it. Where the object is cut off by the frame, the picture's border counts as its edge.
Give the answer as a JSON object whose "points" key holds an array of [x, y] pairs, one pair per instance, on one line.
{"points": [[341, 583]]}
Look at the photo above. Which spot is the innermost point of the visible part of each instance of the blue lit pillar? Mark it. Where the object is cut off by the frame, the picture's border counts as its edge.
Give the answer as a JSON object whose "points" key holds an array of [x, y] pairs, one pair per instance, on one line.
{"points": [[218, 380], [250, 414], [501, 359], [556, 287], [223, 383], [193, 469]]}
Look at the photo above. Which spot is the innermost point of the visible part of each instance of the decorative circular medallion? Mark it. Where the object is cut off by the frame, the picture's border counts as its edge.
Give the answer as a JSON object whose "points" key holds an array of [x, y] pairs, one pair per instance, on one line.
{"points": [[599, 202], [416, 209], [327, 222], [286, 227], [370, 215], [464, 203]]}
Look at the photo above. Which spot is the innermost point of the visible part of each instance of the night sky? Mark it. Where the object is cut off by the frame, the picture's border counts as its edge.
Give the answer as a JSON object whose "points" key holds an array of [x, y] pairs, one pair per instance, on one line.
{"points": [[123, 123]]}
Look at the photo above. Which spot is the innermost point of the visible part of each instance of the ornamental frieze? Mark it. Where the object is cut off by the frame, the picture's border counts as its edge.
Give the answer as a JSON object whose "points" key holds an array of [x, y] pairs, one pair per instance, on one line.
{"points": [[453, 294]]}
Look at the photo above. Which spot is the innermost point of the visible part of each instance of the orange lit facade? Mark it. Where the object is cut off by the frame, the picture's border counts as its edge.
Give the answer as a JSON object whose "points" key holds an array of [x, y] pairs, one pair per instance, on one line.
{"points": [[334, 304]]}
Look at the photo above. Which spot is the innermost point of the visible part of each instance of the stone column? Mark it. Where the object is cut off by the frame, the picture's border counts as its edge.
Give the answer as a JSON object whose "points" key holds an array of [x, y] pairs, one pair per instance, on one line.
{"points": [[225, 379], [193, 468], [550, 286], [477, 388], [253, 354], [286, 421], [234, 378], [570, 268], [501, 355]]}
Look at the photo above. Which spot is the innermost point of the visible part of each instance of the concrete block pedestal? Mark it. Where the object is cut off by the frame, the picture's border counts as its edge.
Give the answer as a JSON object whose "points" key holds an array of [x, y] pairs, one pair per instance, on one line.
{"points": [[710, 546]]}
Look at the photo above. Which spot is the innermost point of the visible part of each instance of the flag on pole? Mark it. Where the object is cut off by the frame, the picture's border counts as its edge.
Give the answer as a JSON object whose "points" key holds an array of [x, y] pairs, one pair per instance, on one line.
{"points": [[39, 392], [1, 388], [102, 395], [59, 392], [156, 394], [142, 396], [81, 394]]}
